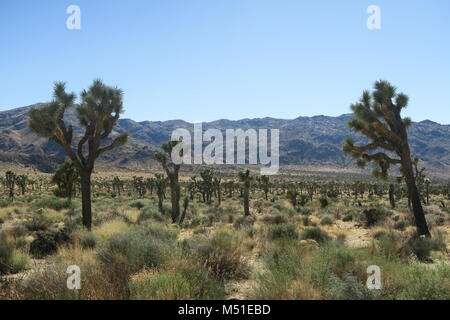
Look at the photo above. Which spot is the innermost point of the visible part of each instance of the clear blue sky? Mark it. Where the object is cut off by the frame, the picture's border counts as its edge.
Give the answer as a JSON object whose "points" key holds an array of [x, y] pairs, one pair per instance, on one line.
{"points": [[212, 59]]}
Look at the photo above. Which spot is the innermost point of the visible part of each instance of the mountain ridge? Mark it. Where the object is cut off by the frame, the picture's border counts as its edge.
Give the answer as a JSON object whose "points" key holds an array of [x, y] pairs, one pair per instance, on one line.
{"points": [[304, 141]]}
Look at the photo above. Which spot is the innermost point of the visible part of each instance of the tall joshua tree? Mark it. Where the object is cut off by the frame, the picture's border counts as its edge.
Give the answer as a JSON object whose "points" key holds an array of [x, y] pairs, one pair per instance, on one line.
{"points": [[246, 178], [171, 169], [98, 114], [377, 116], [10, 180], [265, 185], [160, 183]]}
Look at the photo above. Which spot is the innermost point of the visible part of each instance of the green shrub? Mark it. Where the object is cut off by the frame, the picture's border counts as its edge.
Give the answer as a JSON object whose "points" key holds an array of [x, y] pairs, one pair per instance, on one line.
{"points": [[390, 243], [323, 202], [347, 288], [421, 247], [223, 256], [88, 240], [187, 284], [46, 243], [151, 212], [327, 220], [305, 220], [4, 203], [130, 251], [11, 259], [53, 203], [276, 219], [375, 215], [284, 231], [401, 225], [38, 222], [317, 234], [422, 283], [347, 217], [6, 252], [138, 204], [305, 211]]}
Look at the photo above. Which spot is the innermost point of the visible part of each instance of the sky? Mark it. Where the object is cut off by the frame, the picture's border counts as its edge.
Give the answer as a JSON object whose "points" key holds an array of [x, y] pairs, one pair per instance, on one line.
{"points": [[203, 60]]}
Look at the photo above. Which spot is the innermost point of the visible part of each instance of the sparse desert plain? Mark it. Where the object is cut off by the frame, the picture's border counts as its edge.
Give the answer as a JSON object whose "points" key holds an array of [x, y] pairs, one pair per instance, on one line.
{"points": [[308, 238]]}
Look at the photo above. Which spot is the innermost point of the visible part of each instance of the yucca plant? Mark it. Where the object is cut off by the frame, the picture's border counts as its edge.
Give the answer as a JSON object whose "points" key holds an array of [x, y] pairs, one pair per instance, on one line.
{"points": [[98, 113]]}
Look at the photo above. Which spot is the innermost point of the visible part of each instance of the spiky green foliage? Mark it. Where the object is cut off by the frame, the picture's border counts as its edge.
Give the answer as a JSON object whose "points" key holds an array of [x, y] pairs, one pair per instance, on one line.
{"points": [[64, 177], [97, 113], [377, 116], [160, 182], [10, 181]]}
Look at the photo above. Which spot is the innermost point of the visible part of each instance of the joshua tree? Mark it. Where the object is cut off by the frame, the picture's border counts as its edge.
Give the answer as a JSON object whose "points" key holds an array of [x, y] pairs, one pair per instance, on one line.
{"points": [[10, 179], [185, 207], [207, 184], [246, 178], [218, 189], [377, 116], [171, 170], [65, 176], [160, 183], [292, 196], [117, 185], [21, 181], [311, 189], [391, 195], [139, 186], [98, 114], [265, 184]]}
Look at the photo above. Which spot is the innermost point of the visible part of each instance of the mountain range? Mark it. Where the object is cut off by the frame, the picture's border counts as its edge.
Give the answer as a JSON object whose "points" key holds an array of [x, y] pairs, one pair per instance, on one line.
{"points": [[308, 143]]}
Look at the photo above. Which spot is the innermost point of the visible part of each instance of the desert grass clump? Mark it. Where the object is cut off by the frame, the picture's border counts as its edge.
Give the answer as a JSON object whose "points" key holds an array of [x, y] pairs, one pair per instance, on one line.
{"points": [[96, 284], [375, 215], [421, 246], [347, 217], [109, 228], [12, 260], [38, 222], [137, 204], [283, 231], [5, 203], [132, 250], [88, 240], [151, 212], [390, 243], [189, 282], [326, 220], [52, 203], [420, 283], [305, 211], [223, 256], [401, 225], [347, 288], [275, 219], [317, 234]]}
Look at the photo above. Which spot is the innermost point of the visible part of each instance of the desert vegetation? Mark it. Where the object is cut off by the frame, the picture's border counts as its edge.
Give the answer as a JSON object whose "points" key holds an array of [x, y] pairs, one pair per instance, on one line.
{"points": [[230, 234], [316, 245]]}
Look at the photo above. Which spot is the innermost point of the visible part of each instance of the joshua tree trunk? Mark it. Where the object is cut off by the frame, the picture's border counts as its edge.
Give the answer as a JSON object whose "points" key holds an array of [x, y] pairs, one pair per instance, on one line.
{"points": [[246, 205], [86, 199], [175, 198], [160, 202], [414, 198], [391, 196]]}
